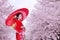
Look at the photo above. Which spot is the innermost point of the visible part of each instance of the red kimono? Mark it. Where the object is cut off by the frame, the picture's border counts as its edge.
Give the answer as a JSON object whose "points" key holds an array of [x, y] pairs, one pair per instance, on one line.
{"points": [[20, 30]]}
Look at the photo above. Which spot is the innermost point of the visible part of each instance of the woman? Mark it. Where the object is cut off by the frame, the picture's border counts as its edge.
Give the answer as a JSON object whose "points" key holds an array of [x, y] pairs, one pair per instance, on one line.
{"points": [[15, 21]]}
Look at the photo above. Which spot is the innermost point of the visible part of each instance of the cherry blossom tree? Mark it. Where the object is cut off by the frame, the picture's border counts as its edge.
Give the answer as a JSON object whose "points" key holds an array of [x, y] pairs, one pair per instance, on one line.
{"points": [[6, 33], [44, 21]]}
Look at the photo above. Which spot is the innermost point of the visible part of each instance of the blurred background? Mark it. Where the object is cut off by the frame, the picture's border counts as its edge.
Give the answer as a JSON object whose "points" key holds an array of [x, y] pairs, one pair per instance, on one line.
{"points": [[42, 23]]}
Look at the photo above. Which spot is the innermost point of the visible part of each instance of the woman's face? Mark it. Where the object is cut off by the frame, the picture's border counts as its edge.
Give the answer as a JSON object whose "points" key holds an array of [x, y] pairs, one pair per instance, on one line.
{"points": [[20, 17]]}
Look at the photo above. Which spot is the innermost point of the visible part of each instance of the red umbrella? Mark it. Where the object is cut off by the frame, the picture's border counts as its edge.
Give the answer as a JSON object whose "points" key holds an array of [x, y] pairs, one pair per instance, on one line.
{"points": [[23, 11]]}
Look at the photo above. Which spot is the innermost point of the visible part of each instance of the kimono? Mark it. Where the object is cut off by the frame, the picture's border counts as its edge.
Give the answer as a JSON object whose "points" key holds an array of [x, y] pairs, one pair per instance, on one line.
{"points": [[20, 30]]}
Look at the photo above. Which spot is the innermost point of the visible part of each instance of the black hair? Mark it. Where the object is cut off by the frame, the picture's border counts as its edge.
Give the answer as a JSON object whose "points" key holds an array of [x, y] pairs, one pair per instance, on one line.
{"points": [[17, 15]]}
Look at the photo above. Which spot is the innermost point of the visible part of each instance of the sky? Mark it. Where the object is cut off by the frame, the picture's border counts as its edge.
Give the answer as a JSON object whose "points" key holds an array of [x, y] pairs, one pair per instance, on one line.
{"points": [[23, 4]]}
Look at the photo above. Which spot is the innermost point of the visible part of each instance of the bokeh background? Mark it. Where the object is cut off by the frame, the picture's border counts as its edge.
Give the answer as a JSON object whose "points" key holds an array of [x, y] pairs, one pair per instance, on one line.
{"points": [[42, 23]]}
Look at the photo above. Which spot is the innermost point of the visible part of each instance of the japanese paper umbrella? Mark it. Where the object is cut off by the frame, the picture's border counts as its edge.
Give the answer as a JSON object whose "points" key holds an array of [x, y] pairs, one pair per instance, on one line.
{"points": [[23, 11]]}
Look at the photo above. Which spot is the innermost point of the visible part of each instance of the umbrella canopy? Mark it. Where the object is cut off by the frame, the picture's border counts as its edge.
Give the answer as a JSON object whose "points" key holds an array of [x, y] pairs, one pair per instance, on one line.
{"points": [[23, 11]]}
